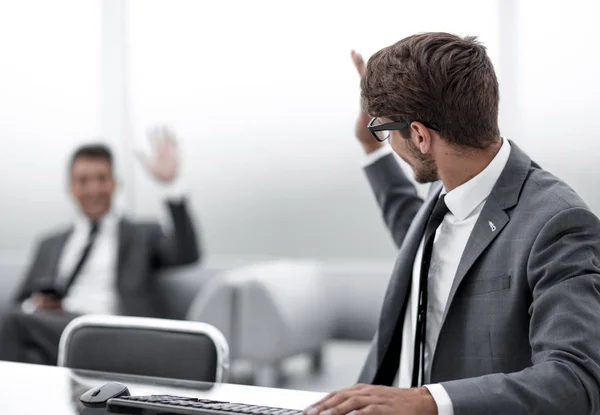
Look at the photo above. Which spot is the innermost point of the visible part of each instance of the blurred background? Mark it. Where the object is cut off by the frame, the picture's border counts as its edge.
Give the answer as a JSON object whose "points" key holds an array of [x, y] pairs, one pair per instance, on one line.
{"points": [[263, 97]]}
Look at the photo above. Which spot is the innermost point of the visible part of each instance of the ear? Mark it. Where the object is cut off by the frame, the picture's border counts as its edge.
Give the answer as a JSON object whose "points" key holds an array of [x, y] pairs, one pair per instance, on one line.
{"points": [[421, 136], [117, 184]]}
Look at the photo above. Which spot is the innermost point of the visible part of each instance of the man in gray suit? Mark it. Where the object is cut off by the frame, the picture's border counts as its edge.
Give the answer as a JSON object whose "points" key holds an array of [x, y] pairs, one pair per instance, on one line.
{"points": [[493, 304], [104, 263]]}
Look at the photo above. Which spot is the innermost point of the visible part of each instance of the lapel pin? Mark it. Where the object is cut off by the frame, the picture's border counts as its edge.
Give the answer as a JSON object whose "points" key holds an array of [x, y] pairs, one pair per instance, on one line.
{"points": [[492, 226]]}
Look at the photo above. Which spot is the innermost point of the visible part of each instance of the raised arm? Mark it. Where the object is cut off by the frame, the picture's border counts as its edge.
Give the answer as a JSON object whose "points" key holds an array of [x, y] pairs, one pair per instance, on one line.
{"points": [[181, 246]]}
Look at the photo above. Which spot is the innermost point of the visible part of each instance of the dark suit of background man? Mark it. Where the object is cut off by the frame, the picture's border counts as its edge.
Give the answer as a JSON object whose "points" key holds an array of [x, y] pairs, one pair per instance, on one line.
{"points": [[104, 263], [495, 296]]}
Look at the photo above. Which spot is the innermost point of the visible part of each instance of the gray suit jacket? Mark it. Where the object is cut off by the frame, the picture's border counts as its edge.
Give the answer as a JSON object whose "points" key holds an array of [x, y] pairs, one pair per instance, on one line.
{"points": [[143, 250], [519, 333]]}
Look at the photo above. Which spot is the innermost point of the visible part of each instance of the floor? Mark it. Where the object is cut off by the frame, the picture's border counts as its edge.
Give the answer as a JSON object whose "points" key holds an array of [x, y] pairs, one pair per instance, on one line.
{"points": [[342, 362]]}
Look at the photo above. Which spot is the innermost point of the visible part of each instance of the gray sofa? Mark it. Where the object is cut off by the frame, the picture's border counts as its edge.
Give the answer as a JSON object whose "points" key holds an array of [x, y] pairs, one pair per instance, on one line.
{"points": [[274, 310]]}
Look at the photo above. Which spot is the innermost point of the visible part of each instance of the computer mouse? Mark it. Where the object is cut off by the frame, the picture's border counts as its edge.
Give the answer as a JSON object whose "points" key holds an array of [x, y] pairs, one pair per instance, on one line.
{"points": [[97, 397]]}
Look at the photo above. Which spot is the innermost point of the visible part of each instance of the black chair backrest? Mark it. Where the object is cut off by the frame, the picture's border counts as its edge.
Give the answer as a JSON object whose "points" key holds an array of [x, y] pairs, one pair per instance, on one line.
{"points": [[144, 346]]}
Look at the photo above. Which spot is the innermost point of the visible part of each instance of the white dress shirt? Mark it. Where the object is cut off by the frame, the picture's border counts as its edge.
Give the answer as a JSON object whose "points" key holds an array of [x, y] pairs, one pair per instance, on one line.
{"points": [[465, 204], [94, 290]]}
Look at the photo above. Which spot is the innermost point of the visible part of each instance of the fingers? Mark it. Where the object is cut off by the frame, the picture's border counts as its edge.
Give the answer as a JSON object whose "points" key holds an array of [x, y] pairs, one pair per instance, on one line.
{"points": [[164, 134], [341, 402], [171, 141], [53, 305], [370, 410], [161, 136], [48, 303], [359, 62], [325, 407], [366, 400], [319, 403], [37, 299], [350, 405], [332, 394]]}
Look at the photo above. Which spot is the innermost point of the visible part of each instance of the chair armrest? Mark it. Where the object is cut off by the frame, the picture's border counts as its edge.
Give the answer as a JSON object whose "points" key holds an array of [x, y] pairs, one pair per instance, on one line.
{"points": [[281, 310], [214, 305]]}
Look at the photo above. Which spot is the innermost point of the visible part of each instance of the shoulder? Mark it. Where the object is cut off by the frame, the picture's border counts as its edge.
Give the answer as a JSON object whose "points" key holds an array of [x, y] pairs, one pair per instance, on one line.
{"points": [[549, 210], [54, 235], [547, 193]]}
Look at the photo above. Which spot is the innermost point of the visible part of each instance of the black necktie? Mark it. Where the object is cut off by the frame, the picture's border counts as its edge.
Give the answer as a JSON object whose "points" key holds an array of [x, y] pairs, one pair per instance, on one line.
{"points": [[84, 256], [435, 220]]}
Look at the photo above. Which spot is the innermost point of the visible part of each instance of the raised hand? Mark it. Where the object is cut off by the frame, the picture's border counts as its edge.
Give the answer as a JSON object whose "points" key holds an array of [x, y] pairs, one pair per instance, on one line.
{"points": [[360, 130], [359, 62], [163, 163]]}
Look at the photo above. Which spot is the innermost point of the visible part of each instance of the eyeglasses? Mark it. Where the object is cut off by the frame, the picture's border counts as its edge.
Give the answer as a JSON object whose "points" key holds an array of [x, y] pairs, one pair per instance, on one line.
{"points": [[381, 132]]}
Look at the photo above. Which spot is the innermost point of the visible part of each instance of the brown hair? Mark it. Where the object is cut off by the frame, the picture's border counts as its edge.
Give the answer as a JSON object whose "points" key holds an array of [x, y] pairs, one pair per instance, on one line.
{"points": [[93, 151], [438, 78]]}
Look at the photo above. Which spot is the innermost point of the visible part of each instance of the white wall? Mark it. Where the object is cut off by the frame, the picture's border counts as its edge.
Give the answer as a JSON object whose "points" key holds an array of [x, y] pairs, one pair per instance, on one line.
{"points": [[264, 95], [559, 84], [48, 105]]}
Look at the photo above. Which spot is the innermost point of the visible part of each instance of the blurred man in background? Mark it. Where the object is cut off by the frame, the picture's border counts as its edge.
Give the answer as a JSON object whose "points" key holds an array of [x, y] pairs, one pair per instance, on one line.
{"points": [[492, 305], [104, 263]]}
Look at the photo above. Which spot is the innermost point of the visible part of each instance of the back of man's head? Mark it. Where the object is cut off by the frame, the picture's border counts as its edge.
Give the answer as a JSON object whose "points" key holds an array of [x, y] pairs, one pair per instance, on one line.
{"points": [[439, 78]]}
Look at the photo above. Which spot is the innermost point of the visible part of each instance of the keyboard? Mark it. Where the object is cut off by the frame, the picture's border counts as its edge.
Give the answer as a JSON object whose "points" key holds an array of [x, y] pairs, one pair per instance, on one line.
{"points": [[167, 404]]}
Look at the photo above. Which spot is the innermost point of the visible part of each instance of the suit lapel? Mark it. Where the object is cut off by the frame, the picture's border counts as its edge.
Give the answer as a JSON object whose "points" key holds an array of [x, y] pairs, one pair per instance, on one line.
{"points": [[57, 250], [490, 223], [493, 217]]}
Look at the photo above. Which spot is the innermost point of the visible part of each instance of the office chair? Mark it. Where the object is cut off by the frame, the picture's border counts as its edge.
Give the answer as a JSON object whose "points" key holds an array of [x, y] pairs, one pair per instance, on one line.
{"points": [[145, 346]]}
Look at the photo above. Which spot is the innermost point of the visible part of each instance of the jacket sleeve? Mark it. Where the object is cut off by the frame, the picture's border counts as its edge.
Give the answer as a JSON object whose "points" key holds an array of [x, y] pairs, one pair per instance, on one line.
{"points": [[396, 195], [181, 246], [35, 271]]}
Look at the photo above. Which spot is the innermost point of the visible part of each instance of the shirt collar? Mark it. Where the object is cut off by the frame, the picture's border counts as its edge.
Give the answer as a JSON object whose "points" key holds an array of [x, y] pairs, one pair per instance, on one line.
{"points": [[108, 221], [464, 199]]}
